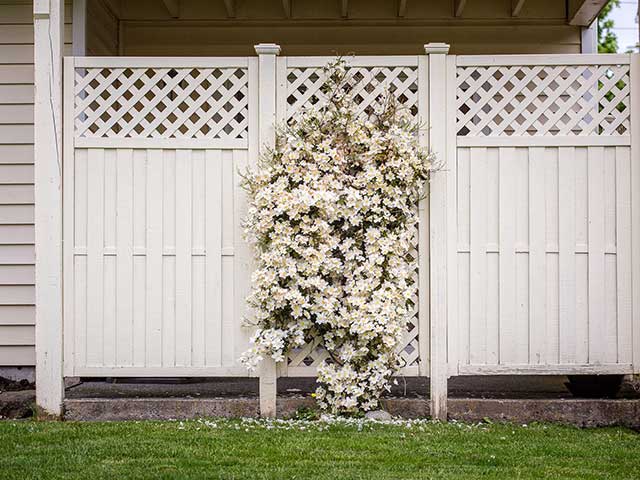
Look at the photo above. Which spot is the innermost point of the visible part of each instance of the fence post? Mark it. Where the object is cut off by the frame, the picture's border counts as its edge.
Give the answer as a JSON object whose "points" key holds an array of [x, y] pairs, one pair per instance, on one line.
{"points": [[267, 136], [49, 38], [437, 53], [634, 77]]}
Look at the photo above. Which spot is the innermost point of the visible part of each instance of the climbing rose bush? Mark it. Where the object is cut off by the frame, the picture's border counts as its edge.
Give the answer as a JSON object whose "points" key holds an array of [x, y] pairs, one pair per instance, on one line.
{"points": [[332, 216]]}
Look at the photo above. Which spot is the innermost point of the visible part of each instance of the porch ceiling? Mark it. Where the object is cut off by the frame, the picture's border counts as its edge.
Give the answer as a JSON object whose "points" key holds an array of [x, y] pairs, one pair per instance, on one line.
{"points": [[549, 12]]}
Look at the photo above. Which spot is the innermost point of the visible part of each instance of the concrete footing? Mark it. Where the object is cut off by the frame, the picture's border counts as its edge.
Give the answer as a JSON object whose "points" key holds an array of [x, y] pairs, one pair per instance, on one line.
{"points": [[582, 413]]}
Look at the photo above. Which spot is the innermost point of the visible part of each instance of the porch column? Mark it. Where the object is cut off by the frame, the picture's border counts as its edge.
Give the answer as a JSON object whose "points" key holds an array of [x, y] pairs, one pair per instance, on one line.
{"points": [[437, 53], [267, 53], [49, 43]]}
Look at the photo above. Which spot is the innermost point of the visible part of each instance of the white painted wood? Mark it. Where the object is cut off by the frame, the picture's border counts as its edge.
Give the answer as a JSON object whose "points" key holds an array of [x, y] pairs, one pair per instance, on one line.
{"points": [[555, 141], [359, 61], [550, 59], [537, 256], [213, 280], [596, 254], [184, 319], [559, 369], [439, 243], [147, 371], [478, 257], [624, 254], [423, 232], [164, 143], [124, 252], [48, 40], [635, 207], [515, 221], [68, 206], [95, 340], [266, 133], [154, 260], [161, 62]]}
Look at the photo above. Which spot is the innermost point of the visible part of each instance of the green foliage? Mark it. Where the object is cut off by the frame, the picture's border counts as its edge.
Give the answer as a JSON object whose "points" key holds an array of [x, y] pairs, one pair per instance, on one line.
{"points": [[607, 39]]}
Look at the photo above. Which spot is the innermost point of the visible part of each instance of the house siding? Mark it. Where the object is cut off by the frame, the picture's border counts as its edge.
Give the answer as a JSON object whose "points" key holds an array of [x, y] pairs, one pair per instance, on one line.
{"points": [[17, 255], [372, 28]]}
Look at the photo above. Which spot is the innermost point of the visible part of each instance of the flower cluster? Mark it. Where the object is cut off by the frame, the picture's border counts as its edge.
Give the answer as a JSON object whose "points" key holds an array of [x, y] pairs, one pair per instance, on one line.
{"points": [[332, 215]]}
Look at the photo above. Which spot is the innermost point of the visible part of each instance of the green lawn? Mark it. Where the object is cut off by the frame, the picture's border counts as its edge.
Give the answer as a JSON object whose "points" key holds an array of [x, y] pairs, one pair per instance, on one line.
{"points": [[311, 450]]}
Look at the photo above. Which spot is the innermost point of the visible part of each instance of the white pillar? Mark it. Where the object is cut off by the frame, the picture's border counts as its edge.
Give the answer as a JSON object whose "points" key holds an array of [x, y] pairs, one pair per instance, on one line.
{"points": [[267, 53], [49, 43], [438, 228], [589, 38], [634, 75]]}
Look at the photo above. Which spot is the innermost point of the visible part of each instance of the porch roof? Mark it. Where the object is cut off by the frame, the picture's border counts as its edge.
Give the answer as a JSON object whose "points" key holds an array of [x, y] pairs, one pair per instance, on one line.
{"points": [[573, 12]]}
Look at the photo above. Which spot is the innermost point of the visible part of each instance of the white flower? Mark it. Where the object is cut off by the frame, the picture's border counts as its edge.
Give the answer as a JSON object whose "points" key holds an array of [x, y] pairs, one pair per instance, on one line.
{"points": [[332, 215]]}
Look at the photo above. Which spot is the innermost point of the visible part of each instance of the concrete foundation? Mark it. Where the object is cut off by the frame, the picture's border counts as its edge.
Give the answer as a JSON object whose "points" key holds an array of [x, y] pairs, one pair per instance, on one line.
{"points": [[581, 413], [515, 399], [17, 374]]}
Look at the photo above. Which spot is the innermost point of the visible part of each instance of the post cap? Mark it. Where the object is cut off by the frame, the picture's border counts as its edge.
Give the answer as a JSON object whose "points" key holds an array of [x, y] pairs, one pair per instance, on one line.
{"points": [[267, 49], [436, 47]]}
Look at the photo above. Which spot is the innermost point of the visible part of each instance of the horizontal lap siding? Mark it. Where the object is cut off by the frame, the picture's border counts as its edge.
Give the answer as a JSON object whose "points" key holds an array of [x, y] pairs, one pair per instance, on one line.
{"points": [[151, 38], [17, 256], [159, 264], [544, 255]]}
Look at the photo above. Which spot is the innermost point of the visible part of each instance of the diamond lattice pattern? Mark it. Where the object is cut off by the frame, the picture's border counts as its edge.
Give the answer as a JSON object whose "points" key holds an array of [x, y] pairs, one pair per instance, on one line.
{"points": [[207, 103], [369, 85], [543, 100], [304, 87]]}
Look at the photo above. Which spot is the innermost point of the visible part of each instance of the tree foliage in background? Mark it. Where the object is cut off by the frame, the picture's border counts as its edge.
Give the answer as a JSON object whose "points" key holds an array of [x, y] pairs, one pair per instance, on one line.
{"points": [[607, 39]]}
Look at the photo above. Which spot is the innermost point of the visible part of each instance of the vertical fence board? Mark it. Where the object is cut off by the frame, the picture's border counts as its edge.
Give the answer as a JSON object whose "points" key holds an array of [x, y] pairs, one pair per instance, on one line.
{"points": [[154, 258], [552, 238], [242, 274], [582, 256], [623, 254], [95, 257], [507, 255], [537, 257], [124, 251], [492, 333], [596, 272], [478, 257], [213, 234], [463, 222], [522, 320], [228, 268], [139, 260], [110, 282], [184, 319], [169, 215], [80, 218], [198, 260]]}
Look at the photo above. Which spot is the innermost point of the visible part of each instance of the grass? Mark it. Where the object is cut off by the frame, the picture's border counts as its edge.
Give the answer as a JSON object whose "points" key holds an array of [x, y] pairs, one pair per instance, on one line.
{"points": [[224, 449]]}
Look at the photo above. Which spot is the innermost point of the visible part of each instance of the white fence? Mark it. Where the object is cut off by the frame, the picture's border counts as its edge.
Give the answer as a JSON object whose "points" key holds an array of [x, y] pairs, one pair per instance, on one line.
{"points": [[156, 270], [540, 239], [528, 247]]}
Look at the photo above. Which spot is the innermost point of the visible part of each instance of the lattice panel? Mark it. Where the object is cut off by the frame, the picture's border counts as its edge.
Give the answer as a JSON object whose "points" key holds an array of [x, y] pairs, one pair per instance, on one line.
{"points": [[543, 100], [312, 355], [304, 87], [204, 103]]}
